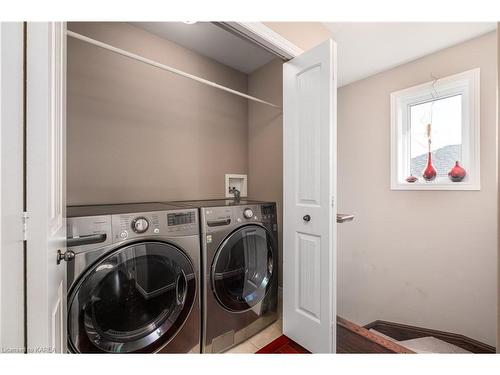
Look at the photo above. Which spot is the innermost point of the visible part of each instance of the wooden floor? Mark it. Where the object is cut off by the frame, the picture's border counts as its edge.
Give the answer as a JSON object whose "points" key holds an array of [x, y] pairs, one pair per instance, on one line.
{"points": [[351, 338]]}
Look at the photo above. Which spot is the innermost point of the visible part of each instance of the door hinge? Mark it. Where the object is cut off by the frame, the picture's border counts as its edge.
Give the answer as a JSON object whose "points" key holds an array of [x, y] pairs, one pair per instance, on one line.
{"points": [[25, 225], [333, 202]]}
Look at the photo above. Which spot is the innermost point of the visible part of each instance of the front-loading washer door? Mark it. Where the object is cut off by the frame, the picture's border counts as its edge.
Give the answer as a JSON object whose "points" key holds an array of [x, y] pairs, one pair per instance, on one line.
{"points": [[133, 300], [243, 268]]}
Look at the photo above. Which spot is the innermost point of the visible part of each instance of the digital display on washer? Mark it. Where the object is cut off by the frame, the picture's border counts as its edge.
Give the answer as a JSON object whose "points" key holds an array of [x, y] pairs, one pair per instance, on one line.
{"points": [[268, 210], [180, 218]]}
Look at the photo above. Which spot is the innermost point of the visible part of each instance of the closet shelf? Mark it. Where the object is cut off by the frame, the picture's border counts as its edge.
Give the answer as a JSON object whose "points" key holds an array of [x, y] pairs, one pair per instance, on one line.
{"points": [[164, 67]]}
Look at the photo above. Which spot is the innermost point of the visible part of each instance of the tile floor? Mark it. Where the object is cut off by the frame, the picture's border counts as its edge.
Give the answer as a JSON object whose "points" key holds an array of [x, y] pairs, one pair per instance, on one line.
{"points": [[258, 341]]}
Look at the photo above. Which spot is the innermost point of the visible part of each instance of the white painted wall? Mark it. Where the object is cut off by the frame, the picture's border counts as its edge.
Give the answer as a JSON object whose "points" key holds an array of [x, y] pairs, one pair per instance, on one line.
{"points": [[425, 258]]}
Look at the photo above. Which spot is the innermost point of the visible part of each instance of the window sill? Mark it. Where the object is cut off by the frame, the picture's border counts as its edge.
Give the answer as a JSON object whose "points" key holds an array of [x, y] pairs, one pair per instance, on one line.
{"points": [[459, 186]]}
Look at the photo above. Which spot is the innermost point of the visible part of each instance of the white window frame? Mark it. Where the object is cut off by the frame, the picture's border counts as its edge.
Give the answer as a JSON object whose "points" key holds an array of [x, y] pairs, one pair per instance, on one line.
{"points": [[466, 84]]}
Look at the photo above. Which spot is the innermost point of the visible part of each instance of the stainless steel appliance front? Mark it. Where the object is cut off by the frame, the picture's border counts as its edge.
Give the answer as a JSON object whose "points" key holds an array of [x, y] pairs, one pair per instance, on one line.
{"points": [[240, 270], [134, 280]]}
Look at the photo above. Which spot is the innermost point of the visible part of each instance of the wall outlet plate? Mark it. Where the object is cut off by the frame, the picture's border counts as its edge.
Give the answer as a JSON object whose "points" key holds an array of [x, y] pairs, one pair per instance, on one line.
{"points": [[238, 181]]}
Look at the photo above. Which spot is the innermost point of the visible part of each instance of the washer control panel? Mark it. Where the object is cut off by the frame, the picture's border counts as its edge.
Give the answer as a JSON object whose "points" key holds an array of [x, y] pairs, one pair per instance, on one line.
{"points": [[140, 224], [181, 218], [183, 222], [268, 212], [248, 213], [215, 219]]}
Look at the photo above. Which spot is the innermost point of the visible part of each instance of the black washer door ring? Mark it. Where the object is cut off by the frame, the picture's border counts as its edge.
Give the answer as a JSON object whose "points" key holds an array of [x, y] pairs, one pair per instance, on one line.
{"points": [[243, 268], [135, 299]]}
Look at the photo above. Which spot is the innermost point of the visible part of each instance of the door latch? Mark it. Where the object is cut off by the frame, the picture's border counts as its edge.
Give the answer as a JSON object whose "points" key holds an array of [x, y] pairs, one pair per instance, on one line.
{"points": [[67, 256], [342, 218]]}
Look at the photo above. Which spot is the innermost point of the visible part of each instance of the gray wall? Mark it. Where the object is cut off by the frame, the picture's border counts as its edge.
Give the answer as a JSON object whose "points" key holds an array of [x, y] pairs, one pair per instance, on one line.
{"points": [[425, 258], [265, 140], [136, 133]]}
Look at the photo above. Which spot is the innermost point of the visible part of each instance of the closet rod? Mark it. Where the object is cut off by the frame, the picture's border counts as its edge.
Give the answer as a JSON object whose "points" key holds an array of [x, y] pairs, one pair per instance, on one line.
{"points": [[164, 67]]}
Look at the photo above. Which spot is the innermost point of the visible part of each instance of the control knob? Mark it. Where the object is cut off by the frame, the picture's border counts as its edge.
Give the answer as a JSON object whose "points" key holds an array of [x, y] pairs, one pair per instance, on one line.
{"points": [[248, 213], [140, 225]]}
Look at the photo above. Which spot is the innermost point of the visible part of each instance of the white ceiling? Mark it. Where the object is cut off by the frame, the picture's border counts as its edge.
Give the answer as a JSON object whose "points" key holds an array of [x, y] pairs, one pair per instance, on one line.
{"points": [[211, 41], [365, 49]]}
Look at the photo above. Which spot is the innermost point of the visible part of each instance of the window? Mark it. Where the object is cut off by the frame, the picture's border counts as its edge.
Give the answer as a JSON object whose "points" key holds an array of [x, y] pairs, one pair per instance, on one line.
{"points": [[440, 118]]}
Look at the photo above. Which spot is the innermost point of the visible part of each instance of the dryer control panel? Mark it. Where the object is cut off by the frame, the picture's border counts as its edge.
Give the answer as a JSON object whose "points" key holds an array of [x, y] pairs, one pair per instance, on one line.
{"points": [[145, 224]]}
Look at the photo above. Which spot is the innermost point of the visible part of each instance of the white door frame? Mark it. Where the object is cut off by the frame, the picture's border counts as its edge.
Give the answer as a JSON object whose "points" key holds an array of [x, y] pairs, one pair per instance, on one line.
{"points": [[264, 36], [11, 188], [46, 188]]}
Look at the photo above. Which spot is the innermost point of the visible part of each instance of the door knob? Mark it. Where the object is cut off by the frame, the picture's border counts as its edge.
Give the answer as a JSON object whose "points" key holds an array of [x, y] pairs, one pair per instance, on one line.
{"points": [[67, 256], [307, 218]]}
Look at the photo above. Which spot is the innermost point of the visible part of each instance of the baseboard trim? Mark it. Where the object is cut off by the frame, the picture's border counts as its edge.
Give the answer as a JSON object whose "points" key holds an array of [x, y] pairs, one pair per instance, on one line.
{"points": [[347, 343], [402, 332]]}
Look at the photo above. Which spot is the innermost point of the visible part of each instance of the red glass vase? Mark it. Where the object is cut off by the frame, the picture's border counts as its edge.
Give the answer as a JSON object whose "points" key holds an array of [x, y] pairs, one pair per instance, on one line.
{"points": [[429, 172], [457, 173], [411, 179]]}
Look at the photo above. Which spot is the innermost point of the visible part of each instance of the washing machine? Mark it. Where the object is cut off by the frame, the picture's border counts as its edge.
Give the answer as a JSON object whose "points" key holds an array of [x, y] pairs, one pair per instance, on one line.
{"points": [[240, 270], [133, 284]]}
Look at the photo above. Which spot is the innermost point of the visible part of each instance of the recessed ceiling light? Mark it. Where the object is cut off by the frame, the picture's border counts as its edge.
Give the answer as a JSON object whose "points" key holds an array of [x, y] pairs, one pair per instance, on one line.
{"points": [[189, 22]]}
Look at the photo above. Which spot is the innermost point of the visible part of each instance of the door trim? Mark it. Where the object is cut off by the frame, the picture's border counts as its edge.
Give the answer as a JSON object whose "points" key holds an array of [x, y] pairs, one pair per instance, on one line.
{"points": [[263, 36], [12, 310], [45, 184]]}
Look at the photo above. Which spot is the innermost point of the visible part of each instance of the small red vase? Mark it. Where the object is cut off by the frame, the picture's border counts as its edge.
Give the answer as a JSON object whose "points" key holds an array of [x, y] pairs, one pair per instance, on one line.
{"points": [[457, 173], [411, 179], [429, 172]]}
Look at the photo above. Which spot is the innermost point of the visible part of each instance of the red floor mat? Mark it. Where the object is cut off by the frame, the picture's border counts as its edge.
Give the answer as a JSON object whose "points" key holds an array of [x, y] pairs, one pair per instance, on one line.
{"points": [[283, 345]]}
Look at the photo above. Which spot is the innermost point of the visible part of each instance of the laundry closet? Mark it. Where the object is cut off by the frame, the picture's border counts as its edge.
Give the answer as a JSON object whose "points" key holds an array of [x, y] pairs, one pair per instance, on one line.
{"points": [[138, 133]]}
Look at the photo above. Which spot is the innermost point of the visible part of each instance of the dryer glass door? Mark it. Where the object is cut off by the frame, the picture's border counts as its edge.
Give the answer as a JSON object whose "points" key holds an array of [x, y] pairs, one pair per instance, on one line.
{"points": [[133, 300], [243, 268]]}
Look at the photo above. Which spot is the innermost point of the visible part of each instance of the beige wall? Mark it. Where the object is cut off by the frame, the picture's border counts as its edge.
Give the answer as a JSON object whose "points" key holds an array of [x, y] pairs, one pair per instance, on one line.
{"points": [[265, 140], [303, 34], [425, 258], [136, 133]]}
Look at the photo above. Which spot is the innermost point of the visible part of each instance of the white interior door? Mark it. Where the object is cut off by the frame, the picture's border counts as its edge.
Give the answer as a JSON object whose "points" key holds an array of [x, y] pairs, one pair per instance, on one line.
{"points": [[309, 213], [46, 198]]}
